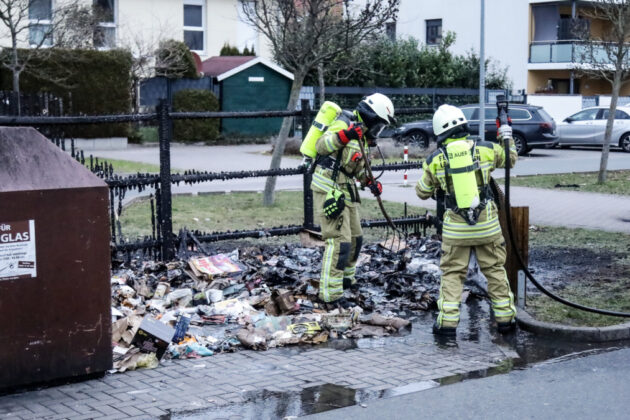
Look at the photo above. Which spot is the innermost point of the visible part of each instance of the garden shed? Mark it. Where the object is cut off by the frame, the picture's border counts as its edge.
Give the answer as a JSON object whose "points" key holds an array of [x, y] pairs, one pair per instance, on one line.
{"points": [[248, 83]]}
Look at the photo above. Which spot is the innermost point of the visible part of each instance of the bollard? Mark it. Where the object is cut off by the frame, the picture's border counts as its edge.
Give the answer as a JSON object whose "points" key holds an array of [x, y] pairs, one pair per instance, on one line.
{"points": [[405, 158]]}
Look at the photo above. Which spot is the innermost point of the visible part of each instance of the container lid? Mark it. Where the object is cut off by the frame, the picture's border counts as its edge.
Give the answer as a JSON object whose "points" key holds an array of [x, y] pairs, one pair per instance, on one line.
{"points": [[29, 161]]}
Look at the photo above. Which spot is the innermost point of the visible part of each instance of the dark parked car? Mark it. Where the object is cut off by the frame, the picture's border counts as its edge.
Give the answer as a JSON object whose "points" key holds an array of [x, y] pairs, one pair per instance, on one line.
{"points": [[531, 125]]}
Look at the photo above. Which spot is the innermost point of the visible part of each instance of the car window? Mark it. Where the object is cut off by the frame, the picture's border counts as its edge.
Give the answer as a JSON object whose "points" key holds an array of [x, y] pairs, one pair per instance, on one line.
{"points": [[587, 114], [544, 115], [471, 113], [520, 114], [619, 115], [515, 113]]}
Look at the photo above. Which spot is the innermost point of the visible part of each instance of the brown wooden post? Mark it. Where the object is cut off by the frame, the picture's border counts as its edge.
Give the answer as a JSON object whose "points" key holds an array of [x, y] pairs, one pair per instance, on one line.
{"points": [[520, 227]]}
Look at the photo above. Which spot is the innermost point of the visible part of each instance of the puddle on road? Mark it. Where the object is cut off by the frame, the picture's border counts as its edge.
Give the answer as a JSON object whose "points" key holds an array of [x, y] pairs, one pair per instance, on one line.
{"points": [[522, 350]]}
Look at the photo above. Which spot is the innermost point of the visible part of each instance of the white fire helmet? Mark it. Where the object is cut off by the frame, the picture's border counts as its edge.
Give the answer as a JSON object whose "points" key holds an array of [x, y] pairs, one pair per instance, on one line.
{"points": [[446, 118]]}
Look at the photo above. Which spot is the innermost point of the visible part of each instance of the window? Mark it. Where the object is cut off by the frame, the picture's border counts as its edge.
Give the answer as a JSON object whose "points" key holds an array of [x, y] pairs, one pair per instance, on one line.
{"points": [[390, 30], [619, 115], [105, 32], [40, 28], [519, 114], [194, 24], [434, 31], [587, 114], [470, 113]]}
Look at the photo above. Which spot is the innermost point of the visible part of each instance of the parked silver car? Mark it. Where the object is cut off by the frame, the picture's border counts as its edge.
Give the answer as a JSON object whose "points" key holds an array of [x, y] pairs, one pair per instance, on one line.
{"points": [[586, 128]]}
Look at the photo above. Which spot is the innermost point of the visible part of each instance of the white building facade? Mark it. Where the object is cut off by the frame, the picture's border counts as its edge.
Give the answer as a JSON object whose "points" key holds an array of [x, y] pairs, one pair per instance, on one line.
{"points": [[205, 25], [532, 38]]}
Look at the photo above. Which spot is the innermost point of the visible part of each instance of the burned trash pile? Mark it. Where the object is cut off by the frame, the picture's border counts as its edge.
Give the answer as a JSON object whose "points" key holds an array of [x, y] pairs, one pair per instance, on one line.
{"points": [[262, 297]]}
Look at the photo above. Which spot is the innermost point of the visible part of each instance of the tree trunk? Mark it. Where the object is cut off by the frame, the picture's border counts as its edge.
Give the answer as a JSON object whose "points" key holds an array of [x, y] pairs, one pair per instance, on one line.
{"points": [[16, 92], [603, 163], [278, 150], [322, 84], [16, 70]]}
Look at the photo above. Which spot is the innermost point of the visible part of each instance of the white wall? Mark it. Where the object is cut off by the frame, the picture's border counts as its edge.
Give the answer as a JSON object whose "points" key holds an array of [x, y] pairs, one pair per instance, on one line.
{"points": [[142, 24], [558, 106], [506, 35]]}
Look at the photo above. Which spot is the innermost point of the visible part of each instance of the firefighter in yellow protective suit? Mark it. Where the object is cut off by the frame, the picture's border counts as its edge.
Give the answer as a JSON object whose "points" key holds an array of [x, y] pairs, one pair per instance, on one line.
{"points": [[336, 199], [461, 168]]}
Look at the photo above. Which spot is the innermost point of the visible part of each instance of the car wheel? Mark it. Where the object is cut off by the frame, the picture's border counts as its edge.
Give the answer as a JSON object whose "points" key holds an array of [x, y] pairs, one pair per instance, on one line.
{"points": [[624, 142], [416, 138], [520, 144]]}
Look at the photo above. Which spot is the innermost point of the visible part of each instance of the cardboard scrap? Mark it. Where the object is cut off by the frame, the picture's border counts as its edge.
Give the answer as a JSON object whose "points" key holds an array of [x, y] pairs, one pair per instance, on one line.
{"points": [[214, 266]]}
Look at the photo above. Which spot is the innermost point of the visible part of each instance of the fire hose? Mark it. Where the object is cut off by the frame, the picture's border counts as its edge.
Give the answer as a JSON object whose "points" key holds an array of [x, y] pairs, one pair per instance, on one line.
{"points": [[502, 108]]}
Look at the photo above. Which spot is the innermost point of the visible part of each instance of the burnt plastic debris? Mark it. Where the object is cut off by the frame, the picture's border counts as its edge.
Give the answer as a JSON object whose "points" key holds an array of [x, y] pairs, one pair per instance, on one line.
{"points": [[260, 297]]}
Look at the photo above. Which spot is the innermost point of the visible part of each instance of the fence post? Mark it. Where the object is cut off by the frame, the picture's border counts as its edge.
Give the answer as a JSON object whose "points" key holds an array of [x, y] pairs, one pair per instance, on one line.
{"points": [[308, 193], [165, 215]]}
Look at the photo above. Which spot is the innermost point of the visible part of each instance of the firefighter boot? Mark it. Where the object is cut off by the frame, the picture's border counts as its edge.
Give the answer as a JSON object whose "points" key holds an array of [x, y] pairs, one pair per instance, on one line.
{"points": [[445, 331], [506, 327]]}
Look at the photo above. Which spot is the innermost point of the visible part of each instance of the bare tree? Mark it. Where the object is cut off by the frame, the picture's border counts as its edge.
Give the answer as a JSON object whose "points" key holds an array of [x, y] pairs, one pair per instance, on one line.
{"points": [[608, 58], [37, 25], [300, 33]]}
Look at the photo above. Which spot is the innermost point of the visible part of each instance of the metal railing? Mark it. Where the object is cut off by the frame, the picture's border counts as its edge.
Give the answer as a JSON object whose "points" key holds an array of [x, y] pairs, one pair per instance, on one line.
{"points": [[568, 51], [162, 239]]}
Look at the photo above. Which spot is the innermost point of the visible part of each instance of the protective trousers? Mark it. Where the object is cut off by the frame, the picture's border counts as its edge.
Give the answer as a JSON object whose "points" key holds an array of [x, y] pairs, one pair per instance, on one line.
{"points": [[343, 238], [454, 265]]}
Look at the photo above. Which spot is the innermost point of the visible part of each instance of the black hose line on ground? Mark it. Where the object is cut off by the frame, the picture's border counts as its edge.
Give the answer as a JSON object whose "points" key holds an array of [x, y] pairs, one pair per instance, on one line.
{"points": [[529, 275]]}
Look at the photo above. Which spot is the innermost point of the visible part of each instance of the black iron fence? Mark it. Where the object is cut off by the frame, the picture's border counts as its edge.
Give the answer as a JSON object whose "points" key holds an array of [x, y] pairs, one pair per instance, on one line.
{"points": [[162, 240]]}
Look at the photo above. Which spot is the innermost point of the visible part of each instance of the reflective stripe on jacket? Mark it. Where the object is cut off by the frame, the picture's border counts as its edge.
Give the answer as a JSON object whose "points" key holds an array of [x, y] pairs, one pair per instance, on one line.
{"points": [[352, 162], [455, 229]]}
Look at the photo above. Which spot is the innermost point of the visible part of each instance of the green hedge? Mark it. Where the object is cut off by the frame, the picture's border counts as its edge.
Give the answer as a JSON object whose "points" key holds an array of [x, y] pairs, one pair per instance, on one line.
{"points": [[190, 131], [90, 82]]}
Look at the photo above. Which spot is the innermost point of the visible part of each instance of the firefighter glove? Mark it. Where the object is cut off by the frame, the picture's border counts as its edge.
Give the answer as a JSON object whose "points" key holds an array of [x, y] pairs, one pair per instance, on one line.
{"points": [[334, 204], [354, 132], [504, 132], [376, 187]]}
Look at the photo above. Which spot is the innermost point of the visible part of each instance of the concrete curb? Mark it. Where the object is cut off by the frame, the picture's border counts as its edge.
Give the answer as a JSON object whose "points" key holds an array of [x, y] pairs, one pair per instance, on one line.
{"points": [[595, 334]]}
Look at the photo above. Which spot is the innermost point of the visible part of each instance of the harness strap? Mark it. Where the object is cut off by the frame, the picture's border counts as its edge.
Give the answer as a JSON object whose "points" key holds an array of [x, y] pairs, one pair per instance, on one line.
{"points": [[475, 166], [471, 215]]}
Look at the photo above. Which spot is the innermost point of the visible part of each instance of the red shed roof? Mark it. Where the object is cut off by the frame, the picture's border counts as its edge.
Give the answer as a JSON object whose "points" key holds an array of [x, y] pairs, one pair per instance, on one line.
{"points": [[227, 66], [215, 66]]}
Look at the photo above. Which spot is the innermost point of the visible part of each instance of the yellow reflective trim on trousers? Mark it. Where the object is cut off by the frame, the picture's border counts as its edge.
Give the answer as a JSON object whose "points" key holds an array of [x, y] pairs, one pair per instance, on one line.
{"points": [[467, 227], [503, 312], [480, 234], [326, 264], [504, 302], [454, 305]]}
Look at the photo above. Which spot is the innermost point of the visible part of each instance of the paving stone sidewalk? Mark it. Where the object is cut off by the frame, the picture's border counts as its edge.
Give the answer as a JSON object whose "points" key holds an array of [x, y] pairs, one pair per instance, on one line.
{"points": [[228, 379]]}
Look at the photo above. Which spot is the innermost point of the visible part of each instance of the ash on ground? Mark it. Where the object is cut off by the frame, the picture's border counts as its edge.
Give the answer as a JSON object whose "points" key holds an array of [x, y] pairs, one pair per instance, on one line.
{"points": [[262, 297]]}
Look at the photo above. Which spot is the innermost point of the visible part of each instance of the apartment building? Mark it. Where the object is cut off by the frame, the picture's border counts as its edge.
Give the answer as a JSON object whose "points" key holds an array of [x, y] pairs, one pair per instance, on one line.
{"points": [[555, 49], [205, 25], [535, 39]]}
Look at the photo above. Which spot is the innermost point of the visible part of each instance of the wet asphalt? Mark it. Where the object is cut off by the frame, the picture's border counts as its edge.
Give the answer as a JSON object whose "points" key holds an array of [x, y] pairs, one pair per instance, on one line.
{"points": [[579, 386]]}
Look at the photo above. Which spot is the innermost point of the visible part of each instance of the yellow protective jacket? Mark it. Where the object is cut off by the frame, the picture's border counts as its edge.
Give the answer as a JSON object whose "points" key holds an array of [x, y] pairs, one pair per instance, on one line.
{"points": [[352, 161], [455, 230]]}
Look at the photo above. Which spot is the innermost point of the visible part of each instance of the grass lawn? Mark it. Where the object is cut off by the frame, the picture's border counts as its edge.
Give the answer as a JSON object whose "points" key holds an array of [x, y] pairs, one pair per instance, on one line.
{"points": [[618, 182], [600, 279], [129, 167], [241, 210]]}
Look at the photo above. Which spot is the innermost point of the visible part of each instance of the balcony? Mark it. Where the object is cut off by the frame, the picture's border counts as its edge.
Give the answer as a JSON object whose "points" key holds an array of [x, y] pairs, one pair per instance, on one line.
{"points": [[564, 52]]}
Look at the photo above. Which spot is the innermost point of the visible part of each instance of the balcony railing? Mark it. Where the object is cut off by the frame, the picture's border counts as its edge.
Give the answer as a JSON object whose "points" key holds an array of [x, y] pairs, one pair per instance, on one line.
{"points": [[566, 52]]}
